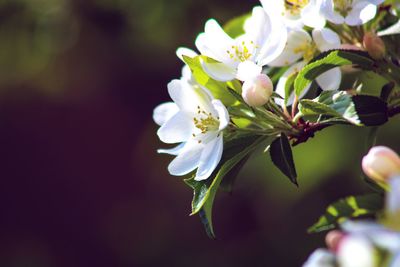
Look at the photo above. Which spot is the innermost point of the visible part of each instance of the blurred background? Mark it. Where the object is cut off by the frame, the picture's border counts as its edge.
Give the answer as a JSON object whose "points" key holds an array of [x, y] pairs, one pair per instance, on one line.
{"points": [[81, 183]]}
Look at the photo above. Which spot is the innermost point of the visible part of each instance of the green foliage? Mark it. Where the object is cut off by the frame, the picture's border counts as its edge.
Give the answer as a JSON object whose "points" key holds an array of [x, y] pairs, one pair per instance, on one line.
{"points": [[205, 191], [347, 208], [234, 27], [329, 60], [281, 155], [341, 107]]}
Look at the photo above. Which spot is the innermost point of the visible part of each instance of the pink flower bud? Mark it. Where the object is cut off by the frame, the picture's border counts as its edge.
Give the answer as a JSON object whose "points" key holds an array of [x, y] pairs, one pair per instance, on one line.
{"points": [[333, 239], [381, 163], [258, 90], [374, 45]]}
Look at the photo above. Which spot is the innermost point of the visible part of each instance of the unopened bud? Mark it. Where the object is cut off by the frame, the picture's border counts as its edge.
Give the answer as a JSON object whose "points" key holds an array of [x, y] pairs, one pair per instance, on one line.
{"points": [[258, 90], [374, 45], [333, 238], [381, 163]]}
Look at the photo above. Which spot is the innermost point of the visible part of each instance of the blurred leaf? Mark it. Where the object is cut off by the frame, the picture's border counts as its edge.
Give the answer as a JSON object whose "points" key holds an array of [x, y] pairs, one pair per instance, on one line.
{"points": [[205, 191], [347, 208], [281, 155], [217, 88], [387, 90], [394, 29], [234, 27], [329, 60]]}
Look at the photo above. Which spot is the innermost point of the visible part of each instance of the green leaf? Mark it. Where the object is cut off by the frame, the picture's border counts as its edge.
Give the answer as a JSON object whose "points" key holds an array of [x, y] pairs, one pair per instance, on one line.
{"points": [[361, 110], [329, 60], [218, 89], [205, 191], [289, 86], [338, 105], [234, 27], [372, 111], [281, 155], [347, 208]]}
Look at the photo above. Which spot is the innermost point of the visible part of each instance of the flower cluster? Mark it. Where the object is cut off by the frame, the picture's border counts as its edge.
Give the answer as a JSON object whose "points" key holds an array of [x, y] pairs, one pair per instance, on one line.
{"points": [[274, 77], [368, 243]]}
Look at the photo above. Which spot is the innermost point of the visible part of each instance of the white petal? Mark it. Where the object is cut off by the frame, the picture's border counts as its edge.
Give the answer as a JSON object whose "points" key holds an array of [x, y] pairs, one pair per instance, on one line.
{"points": [[210, 157], [172, 151], [177, 129], [376, 2], [219, 71], [330, 80], [183, 51], [186, 97], [326, 39], [247, 70], [280, 87], [187, 160], [311, 16], [327, 10], [361, 13], [214, 42], [274, 36], [223, 114], [297, 39], [164, 112], [356, 245], [187, 75], [395, 261], [393, 197]]}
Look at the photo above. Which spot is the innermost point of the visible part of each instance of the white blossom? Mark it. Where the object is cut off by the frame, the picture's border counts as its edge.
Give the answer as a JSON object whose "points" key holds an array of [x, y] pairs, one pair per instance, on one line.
{"points": [[195, 120], [297, 13], [351, 12], [242, 57]]}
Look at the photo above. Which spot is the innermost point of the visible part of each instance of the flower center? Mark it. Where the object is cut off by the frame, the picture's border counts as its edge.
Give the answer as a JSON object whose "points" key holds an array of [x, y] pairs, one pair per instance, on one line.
{"points": [[205, 122], [294, 6], [241, 52], [307, 49], [343, 7]]}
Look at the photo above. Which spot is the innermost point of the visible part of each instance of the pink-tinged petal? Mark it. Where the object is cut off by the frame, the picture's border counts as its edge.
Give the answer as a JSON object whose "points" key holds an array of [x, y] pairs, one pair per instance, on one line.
{"points": [[187, 160], [210, 157], [330, 80], [177, 129]]}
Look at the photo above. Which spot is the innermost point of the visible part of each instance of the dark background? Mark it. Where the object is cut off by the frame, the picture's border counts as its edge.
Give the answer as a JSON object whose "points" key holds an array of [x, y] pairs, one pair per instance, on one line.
{"points": [[81, 183]]}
